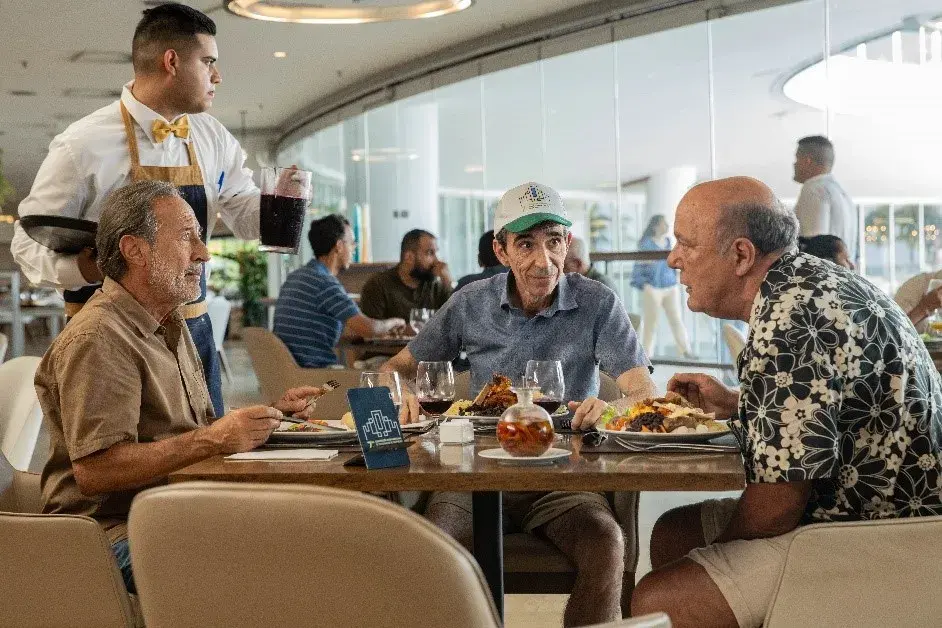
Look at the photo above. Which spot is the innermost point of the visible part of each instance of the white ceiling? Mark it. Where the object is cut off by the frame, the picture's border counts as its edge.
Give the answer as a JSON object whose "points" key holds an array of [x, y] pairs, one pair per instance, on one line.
{"points": [[37, 37]]}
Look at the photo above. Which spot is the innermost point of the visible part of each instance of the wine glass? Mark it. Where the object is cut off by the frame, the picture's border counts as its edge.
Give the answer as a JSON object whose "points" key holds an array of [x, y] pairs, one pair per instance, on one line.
{"points": [[935, 317], [435, 386], [547, 375], [375, 379], [418, 317]]}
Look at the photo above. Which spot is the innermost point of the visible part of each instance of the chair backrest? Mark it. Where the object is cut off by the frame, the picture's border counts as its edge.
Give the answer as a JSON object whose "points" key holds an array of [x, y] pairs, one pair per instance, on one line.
{"points": [[20, 491], [219, 309], [334, 404], [4, 344], [844, 574], [62, 571], [271, 359], [735, 341], [608, 388], [297, 556], [654, 620], [20, 414]]}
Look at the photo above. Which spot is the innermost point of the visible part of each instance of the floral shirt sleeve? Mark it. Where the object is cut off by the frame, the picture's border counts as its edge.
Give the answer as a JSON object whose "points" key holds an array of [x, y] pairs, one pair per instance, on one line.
{"points": [[838, 389]]}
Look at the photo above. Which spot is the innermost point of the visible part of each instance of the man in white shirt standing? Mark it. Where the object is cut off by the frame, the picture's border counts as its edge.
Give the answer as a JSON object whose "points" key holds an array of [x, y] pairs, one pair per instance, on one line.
{"points": [[823, 206], [156, 131]]}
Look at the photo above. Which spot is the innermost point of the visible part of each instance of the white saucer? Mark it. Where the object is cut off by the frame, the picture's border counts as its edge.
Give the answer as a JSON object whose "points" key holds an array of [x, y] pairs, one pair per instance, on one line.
{"points": [[550, 456]]}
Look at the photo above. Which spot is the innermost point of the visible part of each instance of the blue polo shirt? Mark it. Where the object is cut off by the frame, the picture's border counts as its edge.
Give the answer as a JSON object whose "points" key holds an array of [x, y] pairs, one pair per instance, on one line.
{"points": [[586, 328], [311, 311]]}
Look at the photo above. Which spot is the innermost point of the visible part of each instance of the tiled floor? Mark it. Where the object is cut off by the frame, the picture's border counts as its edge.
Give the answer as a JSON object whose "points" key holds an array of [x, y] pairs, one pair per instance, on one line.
{"points": [[522, 611]]}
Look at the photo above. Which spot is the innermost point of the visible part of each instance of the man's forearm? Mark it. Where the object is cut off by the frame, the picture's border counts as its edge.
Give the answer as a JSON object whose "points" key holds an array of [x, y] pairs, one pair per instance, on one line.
{"points": [[125, 466], [404, 364]]}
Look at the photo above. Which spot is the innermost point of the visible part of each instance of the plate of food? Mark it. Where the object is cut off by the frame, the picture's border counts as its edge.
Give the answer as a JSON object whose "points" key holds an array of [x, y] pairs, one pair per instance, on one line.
{"points": [[667, 419], [313, 431], [493, 400]]}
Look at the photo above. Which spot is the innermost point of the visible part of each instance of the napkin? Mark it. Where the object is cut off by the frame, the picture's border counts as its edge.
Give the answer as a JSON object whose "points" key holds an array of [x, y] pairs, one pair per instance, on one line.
{"points": [[286, 455]]}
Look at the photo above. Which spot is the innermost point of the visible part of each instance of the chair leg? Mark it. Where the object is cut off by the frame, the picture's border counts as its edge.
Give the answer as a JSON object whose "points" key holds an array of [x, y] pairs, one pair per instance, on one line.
{"points": [[225, 364]]}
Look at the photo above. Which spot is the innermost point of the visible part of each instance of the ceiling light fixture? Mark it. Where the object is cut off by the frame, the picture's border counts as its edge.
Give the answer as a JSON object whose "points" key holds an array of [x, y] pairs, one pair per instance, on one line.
{"points": [[280, 54], [340, 11]]}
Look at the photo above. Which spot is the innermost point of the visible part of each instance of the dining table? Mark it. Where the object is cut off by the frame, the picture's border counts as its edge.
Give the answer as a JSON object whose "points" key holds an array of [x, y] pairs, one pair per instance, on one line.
{"points": [[434, 466]]}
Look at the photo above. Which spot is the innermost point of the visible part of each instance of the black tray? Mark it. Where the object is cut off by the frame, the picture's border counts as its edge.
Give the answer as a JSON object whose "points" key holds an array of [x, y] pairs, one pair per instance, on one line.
{"points": [[61, 234]]}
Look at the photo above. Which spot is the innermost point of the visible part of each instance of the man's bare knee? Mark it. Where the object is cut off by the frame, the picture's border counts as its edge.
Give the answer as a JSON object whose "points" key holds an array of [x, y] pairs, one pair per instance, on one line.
{"points": [[686, 593], [675, 533], [452, 520], [592, 537]]}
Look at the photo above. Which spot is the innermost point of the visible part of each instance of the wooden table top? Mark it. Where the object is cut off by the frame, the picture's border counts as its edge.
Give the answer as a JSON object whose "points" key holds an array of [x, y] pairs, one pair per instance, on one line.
{"points": [[435, 467]]}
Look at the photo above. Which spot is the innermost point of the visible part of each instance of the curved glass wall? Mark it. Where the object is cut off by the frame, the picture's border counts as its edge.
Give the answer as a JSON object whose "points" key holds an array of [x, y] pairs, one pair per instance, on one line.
{"points": [[622, 130]]}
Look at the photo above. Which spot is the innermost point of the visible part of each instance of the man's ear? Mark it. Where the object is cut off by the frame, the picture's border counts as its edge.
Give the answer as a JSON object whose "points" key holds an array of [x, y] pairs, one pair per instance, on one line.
{"points": [[500, 252], [746, 255], [134, 250], [170, 61]]}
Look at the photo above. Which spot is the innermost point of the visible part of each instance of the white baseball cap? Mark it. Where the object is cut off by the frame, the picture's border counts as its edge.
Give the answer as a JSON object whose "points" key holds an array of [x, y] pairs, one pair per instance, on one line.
{"points": [[528, 205]]}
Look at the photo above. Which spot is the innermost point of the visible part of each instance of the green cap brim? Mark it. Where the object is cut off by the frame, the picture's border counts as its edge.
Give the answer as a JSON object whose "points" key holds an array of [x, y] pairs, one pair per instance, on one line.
{"points": [[531, 220]]}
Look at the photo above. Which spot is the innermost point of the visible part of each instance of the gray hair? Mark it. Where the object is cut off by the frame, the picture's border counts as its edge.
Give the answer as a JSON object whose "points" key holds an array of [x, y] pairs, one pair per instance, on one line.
{"points": [[501, 236], [580, 251], [128, 211], [769, 226], [819, 149]]}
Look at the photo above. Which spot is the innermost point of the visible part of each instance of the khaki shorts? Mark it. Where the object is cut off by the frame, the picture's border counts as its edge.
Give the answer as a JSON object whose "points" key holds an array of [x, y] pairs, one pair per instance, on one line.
{"points": [[746, 572], [527, 511]]}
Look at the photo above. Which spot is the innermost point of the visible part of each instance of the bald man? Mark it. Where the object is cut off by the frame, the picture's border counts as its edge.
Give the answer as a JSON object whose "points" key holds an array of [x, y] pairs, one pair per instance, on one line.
{"points": [[837, 404], [579, 261]]}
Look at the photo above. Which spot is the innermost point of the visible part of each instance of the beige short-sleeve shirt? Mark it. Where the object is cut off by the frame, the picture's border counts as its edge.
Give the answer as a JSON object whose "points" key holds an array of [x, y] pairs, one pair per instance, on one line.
{"points": [[115, 374]]}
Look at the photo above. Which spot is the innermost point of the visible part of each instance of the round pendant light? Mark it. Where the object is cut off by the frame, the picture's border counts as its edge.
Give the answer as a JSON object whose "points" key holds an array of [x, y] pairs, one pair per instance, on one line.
{"points": [[343, 11]]}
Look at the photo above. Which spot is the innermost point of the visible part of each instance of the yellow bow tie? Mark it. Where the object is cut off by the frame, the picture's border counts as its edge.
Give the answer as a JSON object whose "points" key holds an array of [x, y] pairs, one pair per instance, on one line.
{"points": [[162, 130]]}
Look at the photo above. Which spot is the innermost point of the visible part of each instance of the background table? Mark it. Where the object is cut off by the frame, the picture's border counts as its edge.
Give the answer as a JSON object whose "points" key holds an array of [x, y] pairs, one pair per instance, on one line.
{"points": [[436, 467]]}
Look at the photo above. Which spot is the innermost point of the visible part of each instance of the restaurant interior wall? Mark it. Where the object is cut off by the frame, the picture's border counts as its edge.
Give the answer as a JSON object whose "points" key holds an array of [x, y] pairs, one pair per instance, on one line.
{"points": [[608, 124]]}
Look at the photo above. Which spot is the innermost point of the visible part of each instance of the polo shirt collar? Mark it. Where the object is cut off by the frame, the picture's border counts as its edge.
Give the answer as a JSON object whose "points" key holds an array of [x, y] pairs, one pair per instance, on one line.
{"points": [[146, 324], [318, 266], [564, 299], [142, 114]]}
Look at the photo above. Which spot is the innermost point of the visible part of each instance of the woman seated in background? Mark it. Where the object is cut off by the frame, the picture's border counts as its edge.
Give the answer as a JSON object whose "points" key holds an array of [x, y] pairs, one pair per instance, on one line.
{"points": [[829, 247]]}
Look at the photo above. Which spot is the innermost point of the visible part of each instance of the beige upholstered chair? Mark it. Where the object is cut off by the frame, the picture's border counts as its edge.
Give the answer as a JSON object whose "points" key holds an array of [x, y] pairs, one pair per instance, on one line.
{"points": [[277, 371], [56, 570], [20, 414], [654, 620], [862, 574], [297, 556], [735, 341]]}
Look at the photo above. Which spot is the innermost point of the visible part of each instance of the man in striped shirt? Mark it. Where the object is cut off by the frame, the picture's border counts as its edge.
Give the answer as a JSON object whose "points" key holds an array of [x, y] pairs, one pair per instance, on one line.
{"points": [[313, 309]]}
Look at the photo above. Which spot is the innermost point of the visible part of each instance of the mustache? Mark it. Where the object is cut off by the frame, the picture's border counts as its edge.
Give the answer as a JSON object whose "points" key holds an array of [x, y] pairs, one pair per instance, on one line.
{"points": [[544, 273], [196, 269]]}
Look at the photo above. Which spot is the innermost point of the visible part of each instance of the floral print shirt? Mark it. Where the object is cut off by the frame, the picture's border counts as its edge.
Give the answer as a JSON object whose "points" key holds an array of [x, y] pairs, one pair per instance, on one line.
{"points": [[838, 388]]}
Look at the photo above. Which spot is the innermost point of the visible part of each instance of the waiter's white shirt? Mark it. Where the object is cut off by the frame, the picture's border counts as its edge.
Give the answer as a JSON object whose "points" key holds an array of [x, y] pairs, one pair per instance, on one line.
{"points": [[823, 207], [90, 159]]}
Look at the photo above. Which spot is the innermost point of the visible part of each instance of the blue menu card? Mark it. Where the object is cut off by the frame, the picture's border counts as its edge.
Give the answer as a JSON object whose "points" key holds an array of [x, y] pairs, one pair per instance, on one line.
{"points": [[378, 427]]}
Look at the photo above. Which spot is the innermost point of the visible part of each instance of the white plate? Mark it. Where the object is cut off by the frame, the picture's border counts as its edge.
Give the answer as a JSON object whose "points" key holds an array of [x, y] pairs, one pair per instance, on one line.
{"points": [[657, 437], [417, 427], [550, 456], [492, 420]]}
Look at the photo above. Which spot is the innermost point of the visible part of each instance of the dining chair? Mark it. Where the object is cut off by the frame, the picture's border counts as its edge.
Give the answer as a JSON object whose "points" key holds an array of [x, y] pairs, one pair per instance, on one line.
{"points": [[4, 345], [654, 620], [20, 413], [735, 341], [297, 556], [862, 574], [57, 570], [219, 308], [277, 371]]}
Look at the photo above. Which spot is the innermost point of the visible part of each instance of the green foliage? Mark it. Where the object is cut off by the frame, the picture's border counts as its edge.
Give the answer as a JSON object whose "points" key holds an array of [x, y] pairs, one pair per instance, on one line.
{"points": [[252, 281], [6, 190]]}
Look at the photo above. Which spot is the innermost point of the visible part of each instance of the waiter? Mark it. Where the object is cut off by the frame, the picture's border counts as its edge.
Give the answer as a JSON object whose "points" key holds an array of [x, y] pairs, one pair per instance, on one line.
{"points": [[157, 130]]}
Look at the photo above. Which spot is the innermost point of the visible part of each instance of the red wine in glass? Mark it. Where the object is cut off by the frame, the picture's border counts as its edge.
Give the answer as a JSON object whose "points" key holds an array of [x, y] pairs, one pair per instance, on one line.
{"points": [[550, 405], [435, 407], [281, 220]]}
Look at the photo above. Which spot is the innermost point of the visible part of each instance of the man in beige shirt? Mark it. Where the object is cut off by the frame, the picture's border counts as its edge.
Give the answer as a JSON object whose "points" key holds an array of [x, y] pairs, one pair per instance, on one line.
{"points": [[122, 388]]}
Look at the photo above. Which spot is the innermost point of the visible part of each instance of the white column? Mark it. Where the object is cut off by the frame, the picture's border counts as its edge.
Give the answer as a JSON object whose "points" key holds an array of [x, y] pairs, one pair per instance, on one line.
{"points": [[664, 190]]}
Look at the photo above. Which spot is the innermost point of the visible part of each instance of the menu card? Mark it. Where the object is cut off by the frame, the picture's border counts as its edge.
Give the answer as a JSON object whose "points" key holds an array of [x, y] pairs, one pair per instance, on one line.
{"points": [[378, 427]]}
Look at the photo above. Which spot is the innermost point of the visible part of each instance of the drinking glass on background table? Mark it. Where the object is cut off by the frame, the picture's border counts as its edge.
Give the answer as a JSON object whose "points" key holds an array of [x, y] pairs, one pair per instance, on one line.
{"points": [[286, 193], [418, 317], [547, 375], [375, 379], [435, 386]]}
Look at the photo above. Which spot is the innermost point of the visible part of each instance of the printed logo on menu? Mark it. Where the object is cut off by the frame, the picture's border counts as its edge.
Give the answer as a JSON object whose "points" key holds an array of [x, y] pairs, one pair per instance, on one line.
{"points": [[379, 425]]}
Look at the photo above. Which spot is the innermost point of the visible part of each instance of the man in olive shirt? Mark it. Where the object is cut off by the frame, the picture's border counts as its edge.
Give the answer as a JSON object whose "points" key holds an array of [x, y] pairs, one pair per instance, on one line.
{"points": [[122, 388], [420, 279]]}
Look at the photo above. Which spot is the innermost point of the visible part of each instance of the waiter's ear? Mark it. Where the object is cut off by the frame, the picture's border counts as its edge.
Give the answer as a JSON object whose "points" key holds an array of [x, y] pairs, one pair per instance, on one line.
{"points": [[170, 61], [135, 251]]}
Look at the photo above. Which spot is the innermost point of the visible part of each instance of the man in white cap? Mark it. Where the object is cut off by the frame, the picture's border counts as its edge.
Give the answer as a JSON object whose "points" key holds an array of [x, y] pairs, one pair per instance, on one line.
{"points": [[537, 312]]}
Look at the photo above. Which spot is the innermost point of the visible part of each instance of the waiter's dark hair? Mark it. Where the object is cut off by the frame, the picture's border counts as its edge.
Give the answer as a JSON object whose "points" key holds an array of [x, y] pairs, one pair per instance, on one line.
{"points": [[170, 25], [128, 211], [326, 232]]}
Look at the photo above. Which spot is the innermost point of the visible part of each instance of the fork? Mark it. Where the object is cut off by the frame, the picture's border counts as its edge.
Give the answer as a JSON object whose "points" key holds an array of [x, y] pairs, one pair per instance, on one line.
{"points": [[681, 447], [329, 385]]}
